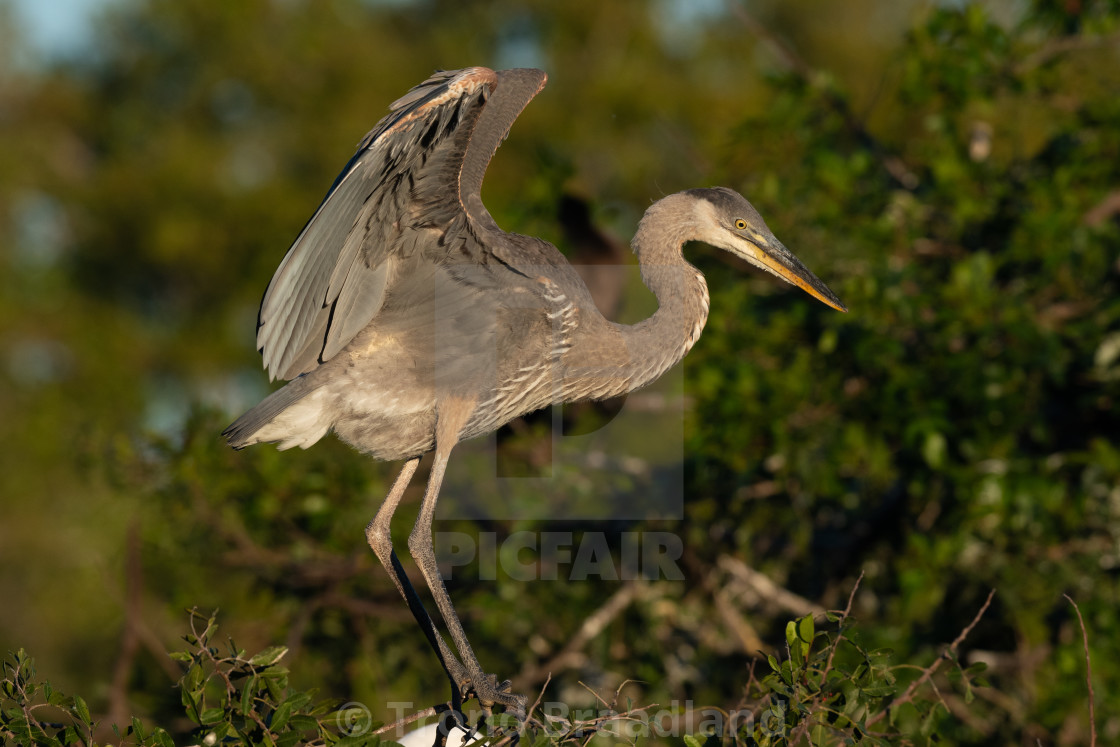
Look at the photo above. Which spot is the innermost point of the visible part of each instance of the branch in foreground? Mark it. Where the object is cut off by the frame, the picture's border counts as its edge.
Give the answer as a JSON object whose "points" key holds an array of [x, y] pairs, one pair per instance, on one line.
{"points": [[1088, 674], [929, 671]]}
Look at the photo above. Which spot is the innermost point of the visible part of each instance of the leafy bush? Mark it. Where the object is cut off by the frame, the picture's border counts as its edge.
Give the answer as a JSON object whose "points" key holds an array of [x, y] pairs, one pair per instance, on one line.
{"points": [[827, 690]]}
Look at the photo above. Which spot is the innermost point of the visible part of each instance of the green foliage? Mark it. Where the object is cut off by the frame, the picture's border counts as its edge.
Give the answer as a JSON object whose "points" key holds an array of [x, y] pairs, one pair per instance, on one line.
{"points": [[246, 699], [831, 690], [828, 690], [229, 697], [26, 705]]}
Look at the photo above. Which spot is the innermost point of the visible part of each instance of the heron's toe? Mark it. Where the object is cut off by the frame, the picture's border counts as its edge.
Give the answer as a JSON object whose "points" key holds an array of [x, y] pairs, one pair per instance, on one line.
{"points": [[514, 705]]}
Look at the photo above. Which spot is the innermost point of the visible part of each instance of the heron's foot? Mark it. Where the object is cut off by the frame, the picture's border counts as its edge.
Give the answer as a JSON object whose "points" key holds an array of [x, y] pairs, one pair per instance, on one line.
{"points": [[489, 693], [454, 727], [486, 689]]}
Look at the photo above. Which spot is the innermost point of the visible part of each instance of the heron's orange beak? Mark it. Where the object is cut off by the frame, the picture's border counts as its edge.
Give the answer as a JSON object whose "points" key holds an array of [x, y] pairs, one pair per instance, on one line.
{"points": [[775, 258], [811, 285]]}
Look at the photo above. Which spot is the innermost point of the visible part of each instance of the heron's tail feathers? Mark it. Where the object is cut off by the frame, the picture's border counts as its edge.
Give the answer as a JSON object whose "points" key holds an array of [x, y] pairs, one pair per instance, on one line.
{"points": [[292, 416]]}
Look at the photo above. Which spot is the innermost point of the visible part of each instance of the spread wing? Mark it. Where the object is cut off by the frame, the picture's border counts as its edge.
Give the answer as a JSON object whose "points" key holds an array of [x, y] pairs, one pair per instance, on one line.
{"points": [[420, 167]]}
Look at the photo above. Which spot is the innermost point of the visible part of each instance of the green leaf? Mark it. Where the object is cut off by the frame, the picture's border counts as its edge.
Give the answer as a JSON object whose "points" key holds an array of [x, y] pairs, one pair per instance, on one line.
{"points": [[247, 694], [691, 741], [288, 739], [878, 691], [192, 679], [806, 629], [303, 723], [212, 716], [269, 656], [193, 703], [791, 635], [299, 700], [929, 723], [81, 709], [274, 673], [211, 626], [280, 715], [275, 687], [70, 736]]}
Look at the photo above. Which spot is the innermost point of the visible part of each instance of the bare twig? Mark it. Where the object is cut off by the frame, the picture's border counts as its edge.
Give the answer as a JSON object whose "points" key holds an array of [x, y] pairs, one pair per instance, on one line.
{"points": [[589, 728], [130, 640], [540, 695], [796, 64], [1103, 210], [570, 656], [1088, 674], [929, 671], [840, 630], [764, 586], [956, 705], [158, 650], [851, 598], [1057, 47], [598, 697], [24, 701], [787, 54], [749, 639], [208, 652], [403, 722]]}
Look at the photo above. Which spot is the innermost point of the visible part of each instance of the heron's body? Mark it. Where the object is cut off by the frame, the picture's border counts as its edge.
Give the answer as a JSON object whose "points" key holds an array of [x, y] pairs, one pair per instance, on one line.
{"points": [[408, 320], [512, 338]]}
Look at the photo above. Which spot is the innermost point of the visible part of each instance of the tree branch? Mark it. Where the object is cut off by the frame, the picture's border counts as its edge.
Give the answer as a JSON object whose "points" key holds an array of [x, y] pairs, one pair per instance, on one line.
{"points": [[1088, 674], [570, 656], [929, 671]]}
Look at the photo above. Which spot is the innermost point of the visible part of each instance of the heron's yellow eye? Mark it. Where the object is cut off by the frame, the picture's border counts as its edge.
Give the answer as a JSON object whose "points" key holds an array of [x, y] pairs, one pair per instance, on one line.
{"points": [[740, 223]]}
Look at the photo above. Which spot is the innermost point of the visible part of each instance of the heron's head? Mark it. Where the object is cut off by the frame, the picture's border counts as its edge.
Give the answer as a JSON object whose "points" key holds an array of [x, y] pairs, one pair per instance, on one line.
{"points": [[726, 220]]}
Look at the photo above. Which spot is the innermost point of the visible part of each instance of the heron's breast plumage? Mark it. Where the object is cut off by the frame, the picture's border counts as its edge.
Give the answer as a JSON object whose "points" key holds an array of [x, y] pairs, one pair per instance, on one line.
{"points": [[537, 325]]}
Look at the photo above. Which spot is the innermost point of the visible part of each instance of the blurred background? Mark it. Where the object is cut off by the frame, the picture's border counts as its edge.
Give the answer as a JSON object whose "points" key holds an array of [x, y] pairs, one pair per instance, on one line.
{"points": [[951, 170]]}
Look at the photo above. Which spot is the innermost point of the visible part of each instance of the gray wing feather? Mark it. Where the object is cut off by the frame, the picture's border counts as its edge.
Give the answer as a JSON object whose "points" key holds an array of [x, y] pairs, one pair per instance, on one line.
{"points": [[296, 307], [359, 300], [515, 89], [332, 281]]}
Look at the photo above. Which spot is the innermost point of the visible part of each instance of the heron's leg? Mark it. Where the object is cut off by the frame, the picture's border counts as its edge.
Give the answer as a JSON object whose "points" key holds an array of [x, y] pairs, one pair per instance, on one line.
{"points": [[377, 534], [453, 415]]}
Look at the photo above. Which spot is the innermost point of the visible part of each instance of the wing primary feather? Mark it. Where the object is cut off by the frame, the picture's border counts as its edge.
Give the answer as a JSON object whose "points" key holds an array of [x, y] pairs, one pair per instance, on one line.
{"points": [[332, 282], [360, 299]]}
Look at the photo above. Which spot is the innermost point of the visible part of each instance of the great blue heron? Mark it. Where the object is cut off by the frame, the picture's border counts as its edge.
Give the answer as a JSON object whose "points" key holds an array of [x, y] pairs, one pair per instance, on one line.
{"points": [[408, 320]]}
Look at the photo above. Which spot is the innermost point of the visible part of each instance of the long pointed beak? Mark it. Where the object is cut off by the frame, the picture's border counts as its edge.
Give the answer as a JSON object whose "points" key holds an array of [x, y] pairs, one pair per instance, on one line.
{"points": [[776, 259]]}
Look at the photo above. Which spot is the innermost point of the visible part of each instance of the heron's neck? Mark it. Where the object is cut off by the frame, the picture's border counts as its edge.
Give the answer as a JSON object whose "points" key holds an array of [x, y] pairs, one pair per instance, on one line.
{"points": [[659, 342]]}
